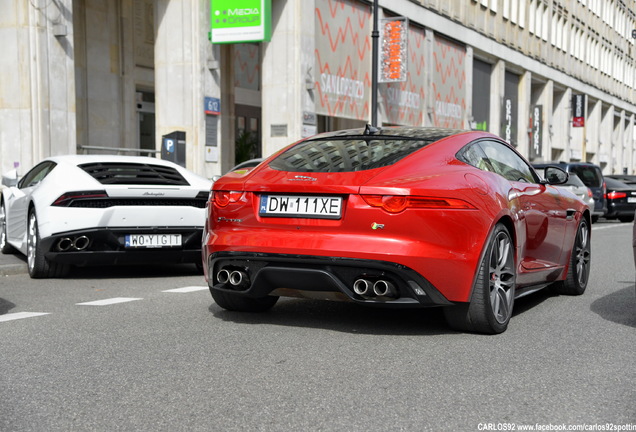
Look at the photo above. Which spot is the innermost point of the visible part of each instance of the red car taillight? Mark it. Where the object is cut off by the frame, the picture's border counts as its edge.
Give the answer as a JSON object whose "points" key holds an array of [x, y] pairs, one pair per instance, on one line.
{"points": [[616, 195], [65, 200], [223, 198], [398, 203]]}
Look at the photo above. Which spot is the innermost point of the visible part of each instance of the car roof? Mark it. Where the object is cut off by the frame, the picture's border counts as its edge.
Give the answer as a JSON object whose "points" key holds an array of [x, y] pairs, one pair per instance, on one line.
{"points": [[427, 133]]}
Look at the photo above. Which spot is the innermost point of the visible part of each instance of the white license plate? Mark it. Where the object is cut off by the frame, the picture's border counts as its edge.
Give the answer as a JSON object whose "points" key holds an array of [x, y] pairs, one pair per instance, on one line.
{"points": [[153, 240], [631, 199], [301, 206]]}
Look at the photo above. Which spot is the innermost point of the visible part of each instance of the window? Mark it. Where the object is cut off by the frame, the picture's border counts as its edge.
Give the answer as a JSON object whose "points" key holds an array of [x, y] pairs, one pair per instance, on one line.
{"points": [[507, 163], [497, 157], [36, 174]]}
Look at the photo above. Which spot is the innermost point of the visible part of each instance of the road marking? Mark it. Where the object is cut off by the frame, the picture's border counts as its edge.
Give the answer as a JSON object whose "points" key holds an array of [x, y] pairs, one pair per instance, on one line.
{"points": [[107, 302], [21, 315], [186, 289], [604, 227]]}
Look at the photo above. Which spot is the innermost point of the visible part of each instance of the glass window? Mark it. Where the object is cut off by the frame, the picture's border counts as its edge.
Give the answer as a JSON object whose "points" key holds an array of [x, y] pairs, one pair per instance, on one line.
{"points": [[36, 174], [345, 155], [588, 174], [507, 163], [475, 156]]}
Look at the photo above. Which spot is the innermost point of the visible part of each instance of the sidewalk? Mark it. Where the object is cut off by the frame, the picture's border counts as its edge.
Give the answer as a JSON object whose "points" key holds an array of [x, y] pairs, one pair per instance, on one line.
{"points": [[11, 264]]}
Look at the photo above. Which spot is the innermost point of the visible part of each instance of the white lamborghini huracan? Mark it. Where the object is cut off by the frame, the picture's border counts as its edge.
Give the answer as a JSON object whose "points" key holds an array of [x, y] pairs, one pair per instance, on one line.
{"points": [[98, 209]]}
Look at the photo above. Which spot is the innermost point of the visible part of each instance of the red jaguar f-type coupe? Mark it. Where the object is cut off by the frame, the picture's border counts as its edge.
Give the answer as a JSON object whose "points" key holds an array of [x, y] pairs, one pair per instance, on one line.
{"points": [[397, 217]]}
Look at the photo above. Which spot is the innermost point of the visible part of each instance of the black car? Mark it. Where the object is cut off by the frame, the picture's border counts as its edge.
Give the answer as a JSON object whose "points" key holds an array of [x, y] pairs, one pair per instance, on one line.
{"points": [[592, 177], [625, 178], [621, 200]]}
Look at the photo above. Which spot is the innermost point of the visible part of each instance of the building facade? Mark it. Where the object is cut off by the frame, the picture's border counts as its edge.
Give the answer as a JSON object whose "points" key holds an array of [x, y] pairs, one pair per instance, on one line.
{"points": [[555, 78]]}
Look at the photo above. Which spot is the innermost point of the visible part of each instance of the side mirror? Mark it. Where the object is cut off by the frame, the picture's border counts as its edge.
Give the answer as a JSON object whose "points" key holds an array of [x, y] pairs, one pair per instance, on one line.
{"points": [[10, 179], [555, 175]]}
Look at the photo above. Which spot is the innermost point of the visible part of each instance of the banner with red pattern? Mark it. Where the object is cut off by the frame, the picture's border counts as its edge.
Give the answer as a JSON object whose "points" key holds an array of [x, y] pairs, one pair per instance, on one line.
{"points": [[449, 83], [343, 58], [403, 103], [247, 68]]}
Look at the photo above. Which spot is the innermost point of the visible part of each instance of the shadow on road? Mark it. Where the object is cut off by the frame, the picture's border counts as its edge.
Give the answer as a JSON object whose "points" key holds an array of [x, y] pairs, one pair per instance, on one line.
{"points": [[343, 317], [618, 307], [5, 306], [353, 318]]}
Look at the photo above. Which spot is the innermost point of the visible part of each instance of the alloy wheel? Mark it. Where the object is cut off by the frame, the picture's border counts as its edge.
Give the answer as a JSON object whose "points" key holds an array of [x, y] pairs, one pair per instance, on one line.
{"points": [[32, 241], [582, 254], [3, 228], [501, 277]]}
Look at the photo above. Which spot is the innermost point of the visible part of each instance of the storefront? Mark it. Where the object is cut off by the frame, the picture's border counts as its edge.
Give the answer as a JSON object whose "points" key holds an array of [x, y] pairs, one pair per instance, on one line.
{"points": [[153, 68]]}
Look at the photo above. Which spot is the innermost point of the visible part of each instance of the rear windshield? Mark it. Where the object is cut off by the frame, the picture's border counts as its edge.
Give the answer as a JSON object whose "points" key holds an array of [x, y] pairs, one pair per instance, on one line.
{"points": [[590, 176], [346, 155], [115, 173]]}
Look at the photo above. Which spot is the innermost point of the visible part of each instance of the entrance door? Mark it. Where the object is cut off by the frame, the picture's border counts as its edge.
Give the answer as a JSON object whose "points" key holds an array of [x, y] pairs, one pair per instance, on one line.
{"points": [[248, 133], [146, 123]]}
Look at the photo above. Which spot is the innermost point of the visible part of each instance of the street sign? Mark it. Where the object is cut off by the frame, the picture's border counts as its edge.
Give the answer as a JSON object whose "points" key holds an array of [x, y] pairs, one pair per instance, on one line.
{"points": [[236, 21], [578, 110], [393, 52]]}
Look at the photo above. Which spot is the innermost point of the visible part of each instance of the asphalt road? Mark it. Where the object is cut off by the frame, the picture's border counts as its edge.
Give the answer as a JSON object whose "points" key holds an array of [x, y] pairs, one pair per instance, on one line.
{"points": [[175, 361]]}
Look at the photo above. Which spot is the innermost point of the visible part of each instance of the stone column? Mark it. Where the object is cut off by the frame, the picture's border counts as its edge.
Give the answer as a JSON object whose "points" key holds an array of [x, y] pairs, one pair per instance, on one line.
{"points": [[185, 72], [37, 95], [288, 73]]}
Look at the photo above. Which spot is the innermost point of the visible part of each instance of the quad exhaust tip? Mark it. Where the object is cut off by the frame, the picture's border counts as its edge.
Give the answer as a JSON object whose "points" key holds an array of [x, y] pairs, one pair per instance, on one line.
{"points": [[223, 276], [379, 288], [66, 244], [81, 243], [235, 278]]}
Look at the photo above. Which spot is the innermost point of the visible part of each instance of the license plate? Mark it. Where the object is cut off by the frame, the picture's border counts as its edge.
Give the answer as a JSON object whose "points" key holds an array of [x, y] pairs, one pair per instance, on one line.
{"points": [[631, 199], [153, 240], [300, 206]]}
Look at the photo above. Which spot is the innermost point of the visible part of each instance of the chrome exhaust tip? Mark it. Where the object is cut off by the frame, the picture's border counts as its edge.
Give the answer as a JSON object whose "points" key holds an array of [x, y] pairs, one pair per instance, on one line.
{"points": [[223, 276], [238, 278], [383, 288], [81, 243], [363, 287], [64, 244]]}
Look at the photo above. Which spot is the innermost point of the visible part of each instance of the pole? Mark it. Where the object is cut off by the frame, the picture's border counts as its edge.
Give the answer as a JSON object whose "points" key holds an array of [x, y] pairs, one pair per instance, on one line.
{"points": [[375, 35]]}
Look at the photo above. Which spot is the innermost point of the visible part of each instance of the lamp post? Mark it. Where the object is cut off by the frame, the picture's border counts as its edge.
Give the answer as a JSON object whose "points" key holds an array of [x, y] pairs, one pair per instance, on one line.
{"points": [[375, 35]]}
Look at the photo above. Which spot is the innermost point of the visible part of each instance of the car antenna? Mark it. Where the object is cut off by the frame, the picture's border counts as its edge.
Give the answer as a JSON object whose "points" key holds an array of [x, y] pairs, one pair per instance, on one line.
{"points": [[371, 130]]}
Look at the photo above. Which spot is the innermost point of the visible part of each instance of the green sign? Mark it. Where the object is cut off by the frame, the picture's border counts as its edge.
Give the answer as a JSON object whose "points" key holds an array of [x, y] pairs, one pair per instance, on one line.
{"points": [[236, 21]]}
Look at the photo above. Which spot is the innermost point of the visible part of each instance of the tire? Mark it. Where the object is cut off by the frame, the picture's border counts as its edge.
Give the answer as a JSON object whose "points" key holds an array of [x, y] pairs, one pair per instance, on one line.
{"points": [[626, 218], [492, 300], [37, 264], [594, 219], [5, 247], [576, 280], [239, 303]]}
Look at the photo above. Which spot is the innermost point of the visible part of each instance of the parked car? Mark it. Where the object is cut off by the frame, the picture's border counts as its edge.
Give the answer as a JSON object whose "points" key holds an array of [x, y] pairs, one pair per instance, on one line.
{"points": [[248, 164], [80, 209], [621, 200], [592, 176], [576, 186], [243, 167], [396, 217], [627, 179]]}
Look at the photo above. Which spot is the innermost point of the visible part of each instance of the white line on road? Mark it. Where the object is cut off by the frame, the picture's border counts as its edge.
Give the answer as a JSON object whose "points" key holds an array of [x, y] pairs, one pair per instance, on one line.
{"points": [[107, 302], [604, 227], [21, 315], [186, 289]]}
